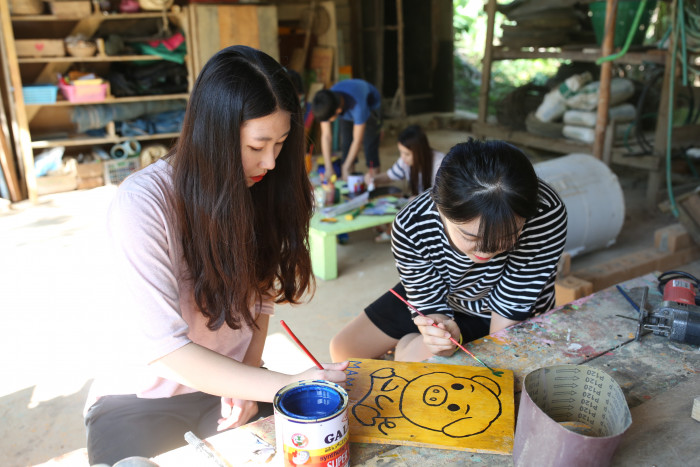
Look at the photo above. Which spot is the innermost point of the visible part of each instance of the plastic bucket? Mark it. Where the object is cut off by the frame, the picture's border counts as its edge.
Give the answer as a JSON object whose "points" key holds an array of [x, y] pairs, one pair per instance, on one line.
{"points": [[626, 11], [593, 199]]}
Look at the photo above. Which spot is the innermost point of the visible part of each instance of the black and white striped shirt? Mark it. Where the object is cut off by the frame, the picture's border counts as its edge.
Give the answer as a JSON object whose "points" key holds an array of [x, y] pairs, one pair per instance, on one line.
{"points": [[516, 284]]}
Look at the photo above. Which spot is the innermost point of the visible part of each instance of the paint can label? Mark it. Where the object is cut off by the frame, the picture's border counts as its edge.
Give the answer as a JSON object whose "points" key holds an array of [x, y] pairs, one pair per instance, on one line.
{"points": [[311, 424]]}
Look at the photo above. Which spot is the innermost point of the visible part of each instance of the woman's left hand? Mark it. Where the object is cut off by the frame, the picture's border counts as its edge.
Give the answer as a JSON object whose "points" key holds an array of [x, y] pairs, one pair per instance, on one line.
{"points": [[235, 412]]}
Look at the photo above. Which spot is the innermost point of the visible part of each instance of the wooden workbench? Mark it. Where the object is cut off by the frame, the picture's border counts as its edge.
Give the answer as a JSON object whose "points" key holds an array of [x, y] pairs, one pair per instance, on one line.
{"points": [[588, 331]]}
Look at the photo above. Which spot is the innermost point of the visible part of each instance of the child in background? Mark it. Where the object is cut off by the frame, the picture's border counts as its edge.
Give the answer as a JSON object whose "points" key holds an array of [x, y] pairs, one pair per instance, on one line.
{"points": [[418, 164]]}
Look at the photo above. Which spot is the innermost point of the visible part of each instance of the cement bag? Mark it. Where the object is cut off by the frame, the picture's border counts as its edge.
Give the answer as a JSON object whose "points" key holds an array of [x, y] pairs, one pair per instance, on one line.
{"points": [[587, 135], [588, 118], [554, 104], [621, 89]]}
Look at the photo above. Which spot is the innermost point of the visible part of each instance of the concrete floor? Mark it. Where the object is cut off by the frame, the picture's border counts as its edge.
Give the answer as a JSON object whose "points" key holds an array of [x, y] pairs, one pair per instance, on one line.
{"points": [[55, 295]]}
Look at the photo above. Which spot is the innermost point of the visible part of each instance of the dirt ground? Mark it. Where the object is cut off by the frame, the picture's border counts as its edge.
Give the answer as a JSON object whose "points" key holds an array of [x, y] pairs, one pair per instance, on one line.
{"points": [[55, 295]]}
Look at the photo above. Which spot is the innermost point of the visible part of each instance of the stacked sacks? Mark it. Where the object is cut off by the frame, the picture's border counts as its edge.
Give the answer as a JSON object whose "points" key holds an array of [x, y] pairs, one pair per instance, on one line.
{"points": [[575, 103]]}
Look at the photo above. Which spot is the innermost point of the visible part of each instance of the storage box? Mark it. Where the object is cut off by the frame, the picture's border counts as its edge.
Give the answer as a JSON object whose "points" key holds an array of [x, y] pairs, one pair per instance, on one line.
{"points": [[39, 94], [57, 182], [84, 92], [117, 170], [40, 48], [71, 8], [90, 175]]}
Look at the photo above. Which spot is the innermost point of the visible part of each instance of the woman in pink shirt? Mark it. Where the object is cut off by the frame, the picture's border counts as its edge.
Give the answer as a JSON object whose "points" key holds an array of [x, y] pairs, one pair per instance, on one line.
{"points": [[206, 241]]}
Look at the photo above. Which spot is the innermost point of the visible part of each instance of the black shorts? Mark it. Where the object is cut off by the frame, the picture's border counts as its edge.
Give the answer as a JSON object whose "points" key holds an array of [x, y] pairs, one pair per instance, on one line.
{"points": [[393, 318], [125, 426]]}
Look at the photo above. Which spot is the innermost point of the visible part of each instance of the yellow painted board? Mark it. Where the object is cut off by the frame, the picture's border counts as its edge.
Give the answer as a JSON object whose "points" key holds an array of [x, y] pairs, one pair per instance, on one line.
{"points": [[431, 405]]}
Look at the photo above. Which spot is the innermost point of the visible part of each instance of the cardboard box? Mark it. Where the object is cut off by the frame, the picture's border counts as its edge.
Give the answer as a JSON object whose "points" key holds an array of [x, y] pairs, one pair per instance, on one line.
{"points": [[65, 179], [40, 48], [90, 175], [71, 8]]}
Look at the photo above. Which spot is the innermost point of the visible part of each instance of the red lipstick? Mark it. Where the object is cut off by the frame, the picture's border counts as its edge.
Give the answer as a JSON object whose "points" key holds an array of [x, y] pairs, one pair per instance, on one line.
{"points": [[480, 258], [258, 178]]}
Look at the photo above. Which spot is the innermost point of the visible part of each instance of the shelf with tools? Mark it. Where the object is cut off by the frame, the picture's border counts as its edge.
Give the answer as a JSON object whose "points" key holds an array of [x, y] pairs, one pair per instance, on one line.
{"points": [[100, 94], [605, 146]]}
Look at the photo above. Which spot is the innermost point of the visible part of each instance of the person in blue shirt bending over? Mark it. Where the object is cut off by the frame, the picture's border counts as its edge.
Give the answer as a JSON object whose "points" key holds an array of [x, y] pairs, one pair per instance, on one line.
{"points": [[357, 105]]}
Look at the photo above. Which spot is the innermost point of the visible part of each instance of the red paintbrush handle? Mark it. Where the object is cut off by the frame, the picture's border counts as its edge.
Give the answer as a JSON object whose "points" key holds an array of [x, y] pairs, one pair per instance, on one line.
{"points": [[291, 334]]}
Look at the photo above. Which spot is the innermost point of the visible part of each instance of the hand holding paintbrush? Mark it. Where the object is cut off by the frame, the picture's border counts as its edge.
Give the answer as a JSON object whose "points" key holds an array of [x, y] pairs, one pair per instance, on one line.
{"points": [[458, 344]]}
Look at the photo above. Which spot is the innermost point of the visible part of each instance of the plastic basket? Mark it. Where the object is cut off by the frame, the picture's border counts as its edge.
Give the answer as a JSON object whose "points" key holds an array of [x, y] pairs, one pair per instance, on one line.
{"points": [[626, 11], [39, 93], [117, 170], [84, 92]]}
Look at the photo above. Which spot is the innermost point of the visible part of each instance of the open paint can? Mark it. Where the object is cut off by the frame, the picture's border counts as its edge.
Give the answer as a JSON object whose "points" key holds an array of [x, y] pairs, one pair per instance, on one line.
{"points": [[311, 424]]}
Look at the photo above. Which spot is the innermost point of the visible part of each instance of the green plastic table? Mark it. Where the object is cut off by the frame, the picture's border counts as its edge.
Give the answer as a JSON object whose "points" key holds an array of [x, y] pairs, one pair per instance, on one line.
{"points": [[322, 239]]}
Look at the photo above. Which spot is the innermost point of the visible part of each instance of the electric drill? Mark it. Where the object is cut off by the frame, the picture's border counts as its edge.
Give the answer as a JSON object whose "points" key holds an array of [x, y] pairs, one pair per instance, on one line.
{"points": [[677, 317]]}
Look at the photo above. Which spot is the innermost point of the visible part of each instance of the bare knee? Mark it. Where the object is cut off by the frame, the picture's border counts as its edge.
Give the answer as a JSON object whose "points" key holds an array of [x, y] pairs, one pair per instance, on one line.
{"points": [[411, 348], [360, 339]]}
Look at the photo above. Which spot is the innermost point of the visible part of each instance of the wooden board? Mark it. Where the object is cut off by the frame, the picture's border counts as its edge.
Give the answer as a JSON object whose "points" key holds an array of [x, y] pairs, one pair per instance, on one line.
{"points": [[431, 405], [322, 64]]}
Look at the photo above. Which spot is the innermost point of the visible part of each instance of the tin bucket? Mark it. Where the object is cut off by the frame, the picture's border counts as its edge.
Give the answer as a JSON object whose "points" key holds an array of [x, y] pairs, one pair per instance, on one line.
{"points": [[311, 424]]}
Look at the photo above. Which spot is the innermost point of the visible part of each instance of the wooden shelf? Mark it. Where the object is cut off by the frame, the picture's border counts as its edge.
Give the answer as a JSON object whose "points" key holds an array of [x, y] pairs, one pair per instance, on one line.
{"points": [[114, 100], [94, 58], [588, 54], [90, 141], [620, 155], [94, 16]]}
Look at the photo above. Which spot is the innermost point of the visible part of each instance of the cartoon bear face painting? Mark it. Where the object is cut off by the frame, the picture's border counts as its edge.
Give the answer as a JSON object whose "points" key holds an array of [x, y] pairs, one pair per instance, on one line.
{"points": [[456, 406]]}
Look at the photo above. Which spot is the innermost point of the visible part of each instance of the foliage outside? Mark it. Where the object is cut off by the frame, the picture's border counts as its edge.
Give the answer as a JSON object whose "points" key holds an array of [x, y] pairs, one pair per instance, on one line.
{"points": [[506, 75]]}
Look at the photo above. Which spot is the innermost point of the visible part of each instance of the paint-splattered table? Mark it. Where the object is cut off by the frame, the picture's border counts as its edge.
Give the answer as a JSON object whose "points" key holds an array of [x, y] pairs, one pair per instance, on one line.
{"points": [[591, 331]]}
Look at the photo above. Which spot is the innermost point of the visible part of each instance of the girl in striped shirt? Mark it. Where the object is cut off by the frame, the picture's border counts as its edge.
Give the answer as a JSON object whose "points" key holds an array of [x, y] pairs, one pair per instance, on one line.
{"points": [[476, 253]]}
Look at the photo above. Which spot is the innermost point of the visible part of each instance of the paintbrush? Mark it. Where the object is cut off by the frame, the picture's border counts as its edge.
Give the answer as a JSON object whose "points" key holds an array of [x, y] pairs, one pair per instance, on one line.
{"points": [[291, 334], [496, 373]]}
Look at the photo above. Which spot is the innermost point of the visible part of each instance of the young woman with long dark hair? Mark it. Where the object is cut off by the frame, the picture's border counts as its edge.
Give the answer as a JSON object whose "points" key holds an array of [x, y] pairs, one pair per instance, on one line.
{"points": [[206, 241]]}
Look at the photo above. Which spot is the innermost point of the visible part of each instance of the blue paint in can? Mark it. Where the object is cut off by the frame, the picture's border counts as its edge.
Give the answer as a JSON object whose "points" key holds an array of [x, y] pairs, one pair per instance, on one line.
{"points": [[310, 402]]}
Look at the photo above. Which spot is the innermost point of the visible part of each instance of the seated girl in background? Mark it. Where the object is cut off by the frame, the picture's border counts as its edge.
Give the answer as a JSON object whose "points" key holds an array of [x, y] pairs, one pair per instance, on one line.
{"points": [[418, 164]]}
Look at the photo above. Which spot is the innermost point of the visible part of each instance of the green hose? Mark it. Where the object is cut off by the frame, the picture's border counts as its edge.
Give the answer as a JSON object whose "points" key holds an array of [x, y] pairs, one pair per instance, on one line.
{"points": [[630, 35]]}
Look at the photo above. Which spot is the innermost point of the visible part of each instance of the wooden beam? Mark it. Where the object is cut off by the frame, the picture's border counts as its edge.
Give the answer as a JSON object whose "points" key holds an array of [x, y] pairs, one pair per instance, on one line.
{"points": [[27, 155], [7, 161], [486, 63], [605, 79], [402, 85]]}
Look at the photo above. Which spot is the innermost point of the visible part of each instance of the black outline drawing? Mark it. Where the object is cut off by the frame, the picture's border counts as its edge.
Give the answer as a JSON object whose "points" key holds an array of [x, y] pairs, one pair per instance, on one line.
{"points": [[388, 391]]}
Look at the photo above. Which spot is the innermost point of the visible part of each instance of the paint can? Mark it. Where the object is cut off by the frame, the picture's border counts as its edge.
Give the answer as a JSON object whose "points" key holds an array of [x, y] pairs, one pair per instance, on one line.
{"points": [[311, 424]]}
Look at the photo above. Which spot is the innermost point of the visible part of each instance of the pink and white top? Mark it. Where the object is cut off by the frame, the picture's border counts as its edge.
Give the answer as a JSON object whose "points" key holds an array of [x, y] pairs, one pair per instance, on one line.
{"points": [[156, 313]]}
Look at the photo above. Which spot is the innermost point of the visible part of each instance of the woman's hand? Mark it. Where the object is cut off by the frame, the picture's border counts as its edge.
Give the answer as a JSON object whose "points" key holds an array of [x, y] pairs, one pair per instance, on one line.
{"points": [[235, 412], [332, 372], [437, 339]]}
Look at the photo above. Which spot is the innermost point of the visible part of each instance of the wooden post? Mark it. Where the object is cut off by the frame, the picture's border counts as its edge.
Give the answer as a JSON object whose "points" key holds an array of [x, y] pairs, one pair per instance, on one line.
{"points": [[402, 86], [379, 35], [309, 28], [486, 63], [605, 78], [23, 137]]}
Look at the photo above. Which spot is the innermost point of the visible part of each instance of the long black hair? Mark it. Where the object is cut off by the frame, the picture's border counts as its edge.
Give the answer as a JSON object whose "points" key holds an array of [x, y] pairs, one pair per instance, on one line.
{"points": [[490, 180], [241, 244], [415, 140]]}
